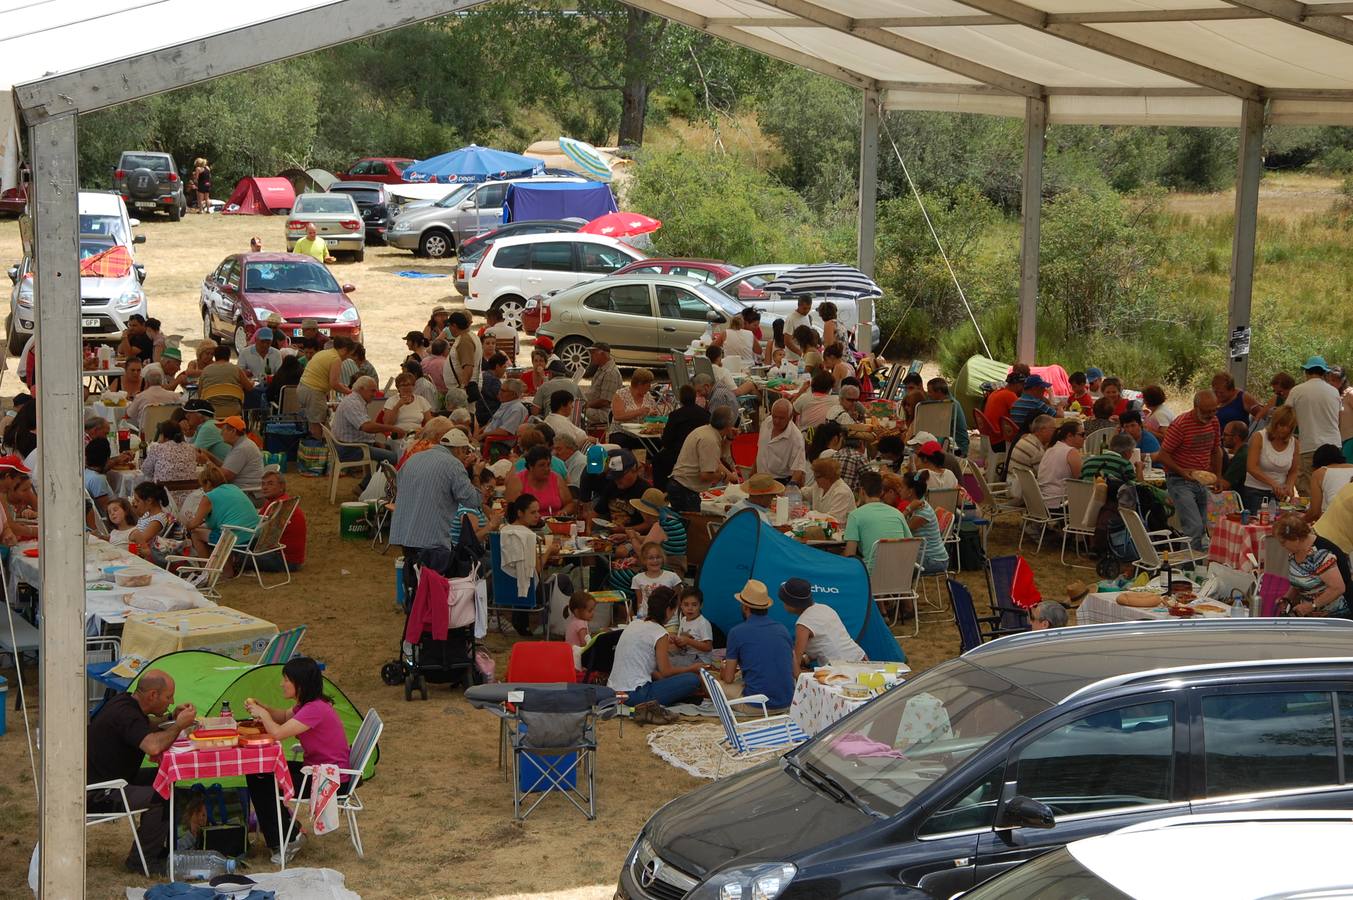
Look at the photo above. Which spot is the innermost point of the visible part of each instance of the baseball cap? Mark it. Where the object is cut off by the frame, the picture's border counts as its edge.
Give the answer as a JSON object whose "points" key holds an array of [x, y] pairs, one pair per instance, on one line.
{"points": [[922, 437], [235, 422], [621, 461], [12, 462], [1093, 374], [930, 448], [455, 438], [263, 334], [559, 367], [201, 407], [602, 346], [1036, 381], [543, 343], [596, 459]]}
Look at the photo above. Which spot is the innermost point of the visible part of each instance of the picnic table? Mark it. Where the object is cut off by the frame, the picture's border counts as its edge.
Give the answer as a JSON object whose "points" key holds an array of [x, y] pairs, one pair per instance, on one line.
{"points": [[223, 630], [99, 380], [1233, 541], [817, 705], [1100, 609]]}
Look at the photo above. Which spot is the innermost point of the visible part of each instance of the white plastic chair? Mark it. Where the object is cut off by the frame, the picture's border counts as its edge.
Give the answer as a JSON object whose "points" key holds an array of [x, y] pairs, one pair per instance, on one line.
{"points": [[1275, 557], [1095, 441], [1151, 544], [126, 812], [265, 539], [936, 417], [1036, 510], [337, 466], [756, 737], [1079, 495], [897, 565], [205, 573], [359, 756]]}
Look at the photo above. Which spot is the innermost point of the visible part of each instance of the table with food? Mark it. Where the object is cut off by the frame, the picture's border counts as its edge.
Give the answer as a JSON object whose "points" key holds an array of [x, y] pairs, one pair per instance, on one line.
{"points": [[220, 747], [1151, 601], [831, 692], [117, 583], [648, 432], [220, 629]]}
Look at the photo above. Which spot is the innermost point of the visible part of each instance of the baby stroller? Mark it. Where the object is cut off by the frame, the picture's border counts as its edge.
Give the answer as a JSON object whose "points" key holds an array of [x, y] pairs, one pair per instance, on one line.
{"points": [[1149, 502], [443, 576]]}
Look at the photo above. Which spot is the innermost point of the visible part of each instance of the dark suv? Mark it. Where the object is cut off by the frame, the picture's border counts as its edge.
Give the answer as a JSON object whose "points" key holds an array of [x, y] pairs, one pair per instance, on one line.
{"points": [[1017, 748], [372, 202], [150, 182]]}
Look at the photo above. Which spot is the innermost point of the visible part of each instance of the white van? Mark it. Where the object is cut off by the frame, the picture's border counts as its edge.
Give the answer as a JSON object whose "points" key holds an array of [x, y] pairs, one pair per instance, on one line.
{"points": [[515, 268]]}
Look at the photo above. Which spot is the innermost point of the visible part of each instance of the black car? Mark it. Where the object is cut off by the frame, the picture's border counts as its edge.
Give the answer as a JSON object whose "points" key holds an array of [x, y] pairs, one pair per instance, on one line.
{"points": [[1015, 749], [373, 202], [149, 181], [472, 248]]}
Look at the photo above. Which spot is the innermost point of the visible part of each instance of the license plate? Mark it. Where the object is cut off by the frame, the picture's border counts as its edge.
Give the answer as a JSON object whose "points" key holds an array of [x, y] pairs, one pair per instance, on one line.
{"points": [[89, 323], [297, 332], [145, 204]]}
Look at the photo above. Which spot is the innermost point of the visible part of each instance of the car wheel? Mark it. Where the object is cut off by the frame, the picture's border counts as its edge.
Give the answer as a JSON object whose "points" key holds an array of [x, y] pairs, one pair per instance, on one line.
{"points": [[16, 338], [206, 326], [175, 213], [241, 339], [436, 245], [359, 256], [573, 352], [511, 307]]}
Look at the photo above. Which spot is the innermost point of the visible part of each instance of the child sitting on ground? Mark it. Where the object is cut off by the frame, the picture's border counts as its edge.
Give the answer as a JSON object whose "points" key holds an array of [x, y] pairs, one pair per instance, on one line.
{"points": [[194, 820], [819, 635], [654, 575], [582, 606], [694, 638]]}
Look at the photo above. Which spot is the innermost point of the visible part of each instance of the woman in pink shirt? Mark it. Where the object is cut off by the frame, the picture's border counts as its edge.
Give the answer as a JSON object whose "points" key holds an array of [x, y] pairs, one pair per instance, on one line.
{"points": [[314, 723]]}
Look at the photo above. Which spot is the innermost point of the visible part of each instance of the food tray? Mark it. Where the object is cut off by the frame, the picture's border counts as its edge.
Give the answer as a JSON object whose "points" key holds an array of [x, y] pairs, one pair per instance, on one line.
{"points": [[132, 579], [214, 739]]}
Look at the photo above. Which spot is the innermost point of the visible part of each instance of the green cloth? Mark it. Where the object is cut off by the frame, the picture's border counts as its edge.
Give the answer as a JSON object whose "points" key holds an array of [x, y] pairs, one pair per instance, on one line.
{"points": [[208, 438], [1234, 473], [867, 524], [967, 387]]}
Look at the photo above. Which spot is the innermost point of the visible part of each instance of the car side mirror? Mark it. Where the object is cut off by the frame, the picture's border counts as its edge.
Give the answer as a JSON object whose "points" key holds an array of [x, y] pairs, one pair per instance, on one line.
{"points": [[714, 318], [14, 274], [1025, 812], [136, 223], [349, 288], [139, 239], [140, 272], [467, 204]]}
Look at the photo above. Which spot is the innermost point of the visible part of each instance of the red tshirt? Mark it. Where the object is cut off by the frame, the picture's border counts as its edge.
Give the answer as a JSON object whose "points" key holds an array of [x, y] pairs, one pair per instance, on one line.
{"points": [[293, 536], [999, 405]]}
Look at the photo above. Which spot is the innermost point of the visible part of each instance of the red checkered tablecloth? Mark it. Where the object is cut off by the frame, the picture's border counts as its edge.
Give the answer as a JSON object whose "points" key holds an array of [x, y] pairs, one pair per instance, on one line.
{"points": [[1231, 541], [213, 765]]}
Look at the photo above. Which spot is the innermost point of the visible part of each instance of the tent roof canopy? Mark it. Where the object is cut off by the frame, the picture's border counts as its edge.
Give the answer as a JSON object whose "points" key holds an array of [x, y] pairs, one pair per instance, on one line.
{"points": [[1166, 62]]}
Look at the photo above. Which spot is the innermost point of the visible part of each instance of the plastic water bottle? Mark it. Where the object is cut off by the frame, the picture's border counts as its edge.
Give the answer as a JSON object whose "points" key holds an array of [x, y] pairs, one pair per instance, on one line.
{"points": [[1240, 607], [1265, 513], [202, 865]]}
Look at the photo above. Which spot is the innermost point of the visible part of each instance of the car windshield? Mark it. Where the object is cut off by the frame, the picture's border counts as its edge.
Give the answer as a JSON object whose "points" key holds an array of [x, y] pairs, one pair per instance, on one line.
{"points": [[289, 278], [456, 196], [363, 196], [718, 299], [150, 161], [907, 739], [332, 203], [93, 248], [104, 226]]}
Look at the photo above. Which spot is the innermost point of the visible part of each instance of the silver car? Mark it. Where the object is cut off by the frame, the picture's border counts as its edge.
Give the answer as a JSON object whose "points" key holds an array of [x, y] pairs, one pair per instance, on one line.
{"points": [[643, 317], [336, 218], [105, 302], [436, 229]]}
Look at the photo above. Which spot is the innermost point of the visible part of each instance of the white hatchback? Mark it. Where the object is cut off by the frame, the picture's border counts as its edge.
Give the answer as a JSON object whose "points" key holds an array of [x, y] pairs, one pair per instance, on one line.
{"points": [[513, 269]]}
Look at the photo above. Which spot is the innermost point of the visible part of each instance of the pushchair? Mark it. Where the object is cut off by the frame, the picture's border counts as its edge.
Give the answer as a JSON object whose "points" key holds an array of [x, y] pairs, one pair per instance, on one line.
{"points": [[452, 577], [1148, 502]]}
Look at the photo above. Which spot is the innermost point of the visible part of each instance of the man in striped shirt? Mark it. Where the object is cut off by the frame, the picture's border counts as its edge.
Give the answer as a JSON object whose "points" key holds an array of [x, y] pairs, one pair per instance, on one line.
{"points": [[433, 486], [1192, 444], [1032, 403], [1113, 462]]}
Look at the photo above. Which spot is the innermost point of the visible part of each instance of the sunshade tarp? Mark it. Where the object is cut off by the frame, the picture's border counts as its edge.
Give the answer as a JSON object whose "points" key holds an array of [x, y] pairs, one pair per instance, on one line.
{"points": [[968, 383], [746, 547], [206, 679], [564, 200], [261, 197]]}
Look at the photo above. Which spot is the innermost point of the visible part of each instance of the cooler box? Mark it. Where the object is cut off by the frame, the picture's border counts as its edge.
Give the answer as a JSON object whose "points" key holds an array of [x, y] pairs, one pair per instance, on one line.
{"points": [[353, 524], [283, 437]]}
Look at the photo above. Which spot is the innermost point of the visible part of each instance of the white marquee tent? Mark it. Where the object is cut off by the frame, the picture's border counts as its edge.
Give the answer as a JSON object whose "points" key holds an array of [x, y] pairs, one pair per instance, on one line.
{"points": [[1224, 63]]}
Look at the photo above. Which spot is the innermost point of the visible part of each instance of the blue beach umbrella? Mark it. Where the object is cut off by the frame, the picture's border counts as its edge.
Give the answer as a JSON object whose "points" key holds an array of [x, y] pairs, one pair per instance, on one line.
{"points": [[473, 164]]}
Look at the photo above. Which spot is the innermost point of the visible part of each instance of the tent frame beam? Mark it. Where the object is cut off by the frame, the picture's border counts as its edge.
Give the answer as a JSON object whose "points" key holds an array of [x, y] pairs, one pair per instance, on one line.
{"points": [[865, 252], [1326, 11], [1300, 14], [1031, 227], [1249, 168]]}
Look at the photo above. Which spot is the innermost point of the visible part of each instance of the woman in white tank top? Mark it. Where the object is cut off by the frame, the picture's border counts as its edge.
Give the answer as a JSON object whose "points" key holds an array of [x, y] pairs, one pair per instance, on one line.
{"points": [[738, 341], [1330, 476], [1274, 461]]}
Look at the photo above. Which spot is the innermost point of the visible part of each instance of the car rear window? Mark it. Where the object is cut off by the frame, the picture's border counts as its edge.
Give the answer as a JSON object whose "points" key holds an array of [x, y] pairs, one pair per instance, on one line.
{"points": [[362, 196], [146, 161], [334, 203], [518, 257]]}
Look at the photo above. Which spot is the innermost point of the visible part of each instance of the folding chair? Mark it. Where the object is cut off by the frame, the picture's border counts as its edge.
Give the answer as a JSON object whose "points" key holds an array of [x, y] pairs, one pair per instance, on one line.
{"points": [[1079, 496], [897, 565], [1275, 557], [282, 647], [265, 539], [950, 520], [288, 403], [359, 757], [973, 630], [1001, 582], [385, 508], [118, 786], [993, 498], [1151, 544], [152, 417], [1036, 510], [1096, 440], [337, 465], [702, 365], [205, 573], [536, 662], [554, 745], [504, 588], [936, 417], [677, 373], [758, 736], [226, 399]]}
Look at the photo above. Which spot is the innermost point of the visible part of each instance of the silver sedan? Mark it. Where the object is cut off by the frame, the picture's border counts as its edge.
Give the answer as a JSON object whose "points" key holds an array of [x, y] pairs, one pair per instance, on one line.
{"points": [[335, 217]]}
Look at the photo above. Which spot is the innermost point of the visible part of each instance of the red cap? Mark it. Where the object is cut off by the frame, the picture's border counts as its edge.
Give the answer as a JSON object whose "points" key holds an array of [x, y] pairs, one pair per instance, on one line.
{"points": [[544, 343], [13, 462], [930, 448]]}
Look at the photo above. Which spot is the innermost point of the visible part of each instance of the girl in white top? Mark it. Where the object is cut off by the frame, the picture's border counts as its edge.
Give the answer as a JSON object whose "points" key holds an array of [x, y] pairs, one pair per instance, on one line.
{"points": [[123, 520], [829, 493], [652, 577], [1274, 461], [819, 635], [929, 458], [1060, 462], [1330, 476]]}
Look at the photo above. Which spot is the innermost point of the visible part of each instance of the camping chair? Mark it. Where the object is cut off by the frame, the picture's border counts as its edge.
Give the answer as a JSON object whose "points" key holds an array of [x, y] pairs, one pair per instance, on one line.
{"points": [[1275, 557], [288, 403], [385, 508], [889, 391], [118, 786], [265, 539], [536, 662], [897, 564], [282, 647], [1095, 441], [973, 630], [93, 518], [337, 465], [744, 449], [505, 597], [992, 498], [1151, 544], [1001, 583], [153, 417], [205, 573], [1036, 510], [359, 757], [749, 739], [1220, 505], [1079, 496], [702, 365], [554, 745], [947, 499], [102, 652], [226, 399], [936, 417]]}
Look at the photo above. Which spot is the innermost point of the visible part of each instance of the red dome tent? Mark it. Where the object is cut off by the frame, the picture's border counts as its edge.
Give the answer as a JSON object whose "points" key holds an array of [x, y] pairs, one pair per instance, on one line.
{"points": [[261, 197]]}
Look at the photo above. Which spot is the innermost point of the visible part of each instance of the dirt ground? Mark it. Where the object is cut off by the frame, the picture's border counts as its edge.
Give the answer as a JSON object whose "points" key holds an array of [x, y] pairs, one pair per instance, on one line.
{"points": [[439, 814]]}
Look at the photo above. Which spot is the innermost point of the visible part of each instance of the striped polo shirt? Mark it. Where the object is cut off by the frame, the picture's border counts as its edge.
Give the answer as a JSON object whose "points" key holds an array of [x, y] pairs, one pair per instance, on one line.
{"points": [[674, 526], [1190, 443], [1110, 465]]}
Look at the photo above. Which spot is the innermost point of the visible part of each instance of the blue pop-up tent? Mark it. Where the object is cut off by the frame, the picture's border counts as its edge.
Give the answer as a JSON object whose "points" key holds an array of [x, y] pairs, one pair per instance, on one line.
{"points": [[472, 165], [586, 200], [746, 547]]}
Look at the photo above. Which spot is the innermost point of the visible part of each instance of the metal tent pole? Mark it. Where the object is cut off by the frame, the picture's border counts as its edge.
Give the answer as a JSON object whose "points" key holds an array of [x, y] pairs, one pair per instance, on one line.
{"points": [[1031, 213], [52, 146], [1248, 170], [869, 190]]}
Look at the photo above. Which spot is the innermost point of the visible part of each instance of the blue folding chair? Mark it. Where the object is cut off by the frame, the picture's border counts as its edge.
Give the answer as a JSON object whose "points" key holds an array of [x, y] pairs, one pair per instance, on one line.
{"points": [[752, 738], [505, 596], [973, 630], [1000, 582]]}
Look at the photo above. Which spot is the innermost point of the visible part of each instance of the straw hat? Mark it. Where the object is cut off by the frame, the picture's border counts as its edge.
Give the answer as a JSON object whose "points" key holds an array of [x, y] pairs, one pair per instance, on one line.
{"points": [[762, 484], [651, 503], [1076, 591], [754, 595]]}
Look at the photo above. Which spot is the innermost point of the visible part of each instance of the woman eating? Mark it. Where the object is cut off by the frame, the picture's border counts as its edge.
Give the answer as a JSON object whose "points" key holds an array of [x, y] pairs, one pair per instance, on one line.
{"points": [[1316, 569], [539, 372], [150, 502], [633, 404], [1273, 463], [521, 556], [406, 410], [1330, 475], [923, 522], [312, 720], [643, 667], [170, 458], [538, 479], [130, 383], [828, 494]]}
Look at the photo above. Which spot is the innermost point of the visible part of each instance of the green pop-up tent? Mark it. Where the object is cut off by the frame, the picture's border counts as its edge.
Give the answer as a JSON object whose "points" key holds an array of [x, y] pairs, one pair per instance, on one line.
{"points": [[207, 679], [968, 385]]}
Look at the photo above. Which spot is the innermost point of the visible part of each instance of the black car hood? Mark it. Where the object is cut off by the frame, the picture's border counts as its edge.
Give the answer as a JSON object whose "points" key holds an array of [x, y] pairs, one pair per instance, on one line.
{"points": [[766, 814]]}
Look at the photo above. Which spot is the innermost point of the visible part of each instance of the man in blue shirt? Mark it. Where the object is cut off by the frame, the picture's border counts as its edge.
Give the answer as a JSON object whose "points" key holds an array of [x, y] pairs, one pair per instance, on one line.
{"points": [[1032, 403], [1130, 423], [762, 648]]}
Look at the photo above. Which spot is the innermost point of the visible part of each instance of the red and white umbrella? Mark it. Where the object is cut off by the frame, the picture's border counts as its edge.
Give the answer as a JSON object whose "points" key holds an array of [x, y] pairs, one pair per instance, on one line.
{"points": [[621, 224]]}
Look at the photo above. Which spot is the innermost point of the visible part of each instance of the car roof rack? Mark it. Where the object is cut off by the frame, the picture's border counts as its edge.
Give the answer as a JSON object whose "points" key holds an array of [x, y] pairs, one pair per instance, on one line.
{"points": [[1069, 633], [1148, 674]]}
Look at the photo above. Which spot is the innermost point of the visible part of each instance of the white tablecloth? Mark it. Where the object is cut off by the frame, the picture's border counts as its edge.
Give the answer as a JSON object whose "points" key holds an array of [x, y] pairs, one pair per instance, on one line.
{"points": [[103, 600], [816, 706], [1098, 609]]}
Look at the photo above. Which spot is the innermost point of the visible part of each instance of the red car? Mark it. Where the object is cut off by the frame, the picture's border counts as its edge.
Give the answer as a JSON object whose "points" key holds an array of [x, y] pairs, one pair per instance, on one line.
{"points": [[385, 169], [14, 201], [709, 271], [243, 292]]}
